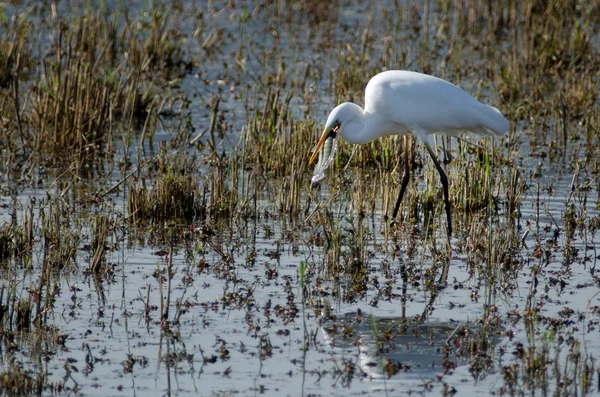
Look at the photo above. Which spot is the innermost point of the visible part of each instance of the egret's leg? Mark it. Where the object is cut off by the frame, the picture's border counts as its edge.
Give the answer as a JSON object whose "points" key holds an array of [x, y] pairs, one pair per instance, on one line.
{"points": [[444, 180], [405, 180]]}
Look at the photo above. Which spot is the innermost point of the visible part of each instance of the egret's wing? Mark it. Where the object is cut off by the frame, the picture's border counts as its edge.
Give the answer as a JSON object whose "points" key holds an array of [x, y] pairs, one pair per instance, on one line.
{"points": [[425, 102]]}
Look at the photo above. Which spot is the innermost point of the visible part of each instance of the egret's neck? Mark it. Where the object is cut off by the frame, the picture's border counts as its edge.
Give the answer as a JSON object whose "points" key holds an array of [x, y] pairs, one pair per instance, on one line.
{"points": [[353, 127]]}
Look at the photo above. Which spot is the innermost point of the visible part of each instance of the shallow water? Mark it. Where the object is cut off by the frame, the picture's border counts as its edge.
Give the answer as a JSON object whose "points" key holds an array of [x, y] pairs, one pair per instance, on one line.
{"points": [[239, 324], [257, 351]]}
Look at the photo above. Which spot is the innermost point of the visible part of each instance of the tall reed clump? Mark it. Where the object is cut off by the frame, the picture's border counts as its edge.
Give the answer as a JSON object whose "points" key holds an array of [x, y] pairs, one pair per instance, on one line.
{"points": [[17, 237], [15, 65], [99, 71], [172, 196], [14, 50], [100, 236], [541, 60], [10, 240], [75, 96], [61, 233], [23, 304], [172, 190], [277, 147]]}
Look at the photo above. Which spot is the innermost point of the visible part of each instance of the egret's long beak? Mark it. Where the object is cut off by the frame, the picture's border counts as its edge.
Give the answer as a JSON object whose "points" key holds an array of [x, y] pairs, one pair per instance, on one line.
{"points": [[320, 144]]}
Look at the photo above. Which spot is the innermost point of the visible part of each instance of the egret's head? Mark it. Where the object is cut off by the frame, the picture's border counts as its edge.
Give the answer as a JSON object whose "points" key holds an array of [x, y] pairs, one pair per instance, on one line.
{"points": [[342, 121]]}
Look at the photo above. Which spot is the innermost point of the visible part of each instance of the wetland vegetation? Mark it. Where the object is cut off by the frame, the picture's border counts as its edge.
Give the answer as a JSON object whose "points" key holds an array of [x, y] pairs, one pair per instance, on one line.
{"points": [[159, 234]]}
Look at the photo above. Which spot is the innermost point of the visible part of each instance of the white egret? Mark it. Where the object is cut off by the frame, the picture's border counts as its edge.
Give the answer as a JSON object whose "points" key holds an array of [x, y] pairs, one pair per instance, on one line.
{"points": [[408, 103]]}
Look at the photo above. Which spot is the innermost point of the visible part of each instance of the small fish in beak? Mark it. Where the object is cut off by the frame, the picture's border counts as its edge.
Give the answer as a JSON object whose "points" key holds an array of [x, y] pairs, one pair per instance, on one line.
{"points": [[326, 156], [328, 144]]}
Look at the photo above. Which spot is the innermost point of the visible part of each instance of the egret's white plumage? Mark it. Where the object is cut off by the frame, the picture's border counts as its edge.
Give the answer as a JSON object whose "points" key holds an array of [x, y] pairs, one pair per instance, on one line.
{"points": [[409, 103], [400, 102]]}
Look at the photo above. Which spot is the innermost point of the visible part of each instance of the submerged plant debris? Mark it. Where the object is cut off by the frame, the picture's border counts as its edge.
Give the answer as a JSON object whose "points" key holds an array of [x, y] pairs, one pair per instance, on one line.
{"points": [[160, 234]]}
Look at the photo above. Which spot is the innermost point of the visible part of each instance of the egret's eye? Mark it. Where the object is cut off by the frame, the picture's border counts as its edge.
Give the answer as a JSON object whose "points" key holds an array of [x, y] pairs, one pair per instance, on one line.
{"points": [[334, 131]]}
